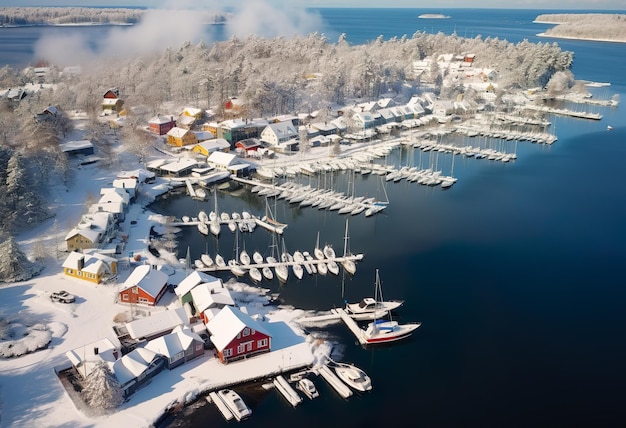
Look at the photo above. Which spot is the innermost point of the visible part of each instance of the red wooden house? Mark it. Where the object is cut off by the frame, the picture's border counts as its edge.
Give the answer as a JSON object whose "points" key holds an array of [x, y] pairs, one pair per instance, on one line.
{"points": [[145, 286], [160, 125], [236, 335]]}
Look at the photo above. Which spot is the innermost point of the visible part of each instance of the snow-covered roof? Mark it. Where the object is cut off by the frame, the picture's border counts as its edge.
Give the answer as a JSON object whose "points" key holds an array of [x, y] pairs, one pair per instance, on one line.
{"points": [[110, 101], [72, 146], [108, 207], [204, 135], [205, 296], [86, 357], [140, 174], [125, 183], [133, 364], [191, 111], [91, 262], [185, 120], [113, 194], [243, 123], [157, 323], [228, 323], [177, 132], [324, 126], [222, 158], [282, 129], [192, 280], [160, 120], [148, 279], [179, 165], [171, 344], [85, 230]]}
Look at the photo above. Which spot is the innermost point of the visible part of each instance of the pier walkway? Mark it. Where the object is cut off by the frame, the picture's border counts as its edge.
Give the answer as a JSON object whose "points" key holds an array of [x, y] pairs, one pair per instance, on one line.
{"points": [[332, 379]]}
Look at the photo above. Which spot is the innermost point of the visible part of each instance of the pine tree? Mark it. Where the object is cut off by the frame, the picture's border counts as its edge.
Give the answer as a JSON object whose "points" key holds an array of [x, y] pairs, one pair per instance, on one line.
{"points": [[101, 388], [14, 265]]}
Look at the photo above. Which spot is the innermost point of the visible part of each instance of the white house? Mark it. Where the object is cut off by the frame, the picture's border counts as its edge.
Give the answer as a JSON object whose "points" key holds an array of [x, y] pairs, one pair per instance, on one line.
{"points": [[278, 133], [157, 324]]}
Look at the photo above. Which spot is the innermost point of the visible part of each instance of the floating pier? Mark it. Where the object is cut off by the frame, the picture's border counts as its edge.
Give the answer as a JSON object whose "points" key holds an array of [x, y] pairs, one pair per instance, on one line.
{"points": [[352, 325], [290, 394], [332, 379], [213, 397]]}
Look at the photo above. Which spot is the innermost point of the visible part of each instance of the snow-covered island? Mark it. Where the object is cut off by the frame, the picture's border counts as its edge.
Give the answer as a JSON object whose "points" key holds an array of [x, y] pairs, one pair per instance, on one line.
{"points": [[604, 27], [433, 16]]}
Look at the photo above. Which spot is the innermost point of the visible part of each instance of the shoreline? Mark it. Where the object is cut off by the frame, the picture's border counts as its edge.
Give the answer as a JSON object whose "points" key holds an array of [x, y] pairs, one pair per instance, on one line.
{"points": [[587, 39]]}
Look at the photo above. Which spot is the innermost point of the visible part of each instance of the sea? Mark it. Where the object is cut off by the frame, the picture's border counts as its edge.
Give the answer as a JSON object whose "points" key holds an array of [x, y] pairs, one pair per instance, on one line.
{"points": [[516, 272]]}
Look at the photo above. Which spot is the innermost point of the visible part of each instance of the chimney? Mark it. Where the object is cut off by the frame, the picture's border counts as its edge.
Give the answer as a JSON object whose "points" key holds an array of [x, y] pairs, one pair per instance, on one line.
{"points": [[95, 350]]}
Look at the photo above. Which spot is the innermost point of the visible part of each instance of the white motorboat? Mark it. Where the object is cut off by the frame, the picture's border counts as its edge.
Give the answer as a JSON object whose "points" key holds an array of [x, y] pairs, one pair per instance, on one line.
{"points": [[207, 260], [307, 387], [368, 306], [354, 377], [203, 228], [225, 217], [235, 404], [255, 274], [199, 264], [200, 193]]}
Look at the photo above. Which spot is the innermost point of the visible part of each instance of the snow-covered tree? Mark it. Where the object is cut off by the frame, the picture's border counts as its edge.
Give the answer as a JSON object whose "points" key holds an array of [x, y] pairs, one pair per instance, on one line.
{"points": [[101, 389], [14, 265]]}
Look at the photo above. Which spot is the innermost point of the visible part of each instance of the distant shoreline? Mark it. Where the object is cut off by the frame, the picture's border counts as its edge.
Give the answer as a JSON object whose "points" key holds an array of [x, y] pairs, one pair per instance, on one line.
{"points": [[588, 39]]}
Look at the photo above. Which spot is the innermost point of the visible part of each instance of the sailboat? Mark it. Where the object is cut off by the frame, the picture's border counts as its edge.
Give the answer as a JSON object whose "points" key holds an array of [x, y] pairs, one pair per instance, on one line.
{"points": [[385, 331], [214, 223], [347, 264], [317, 252], [269, 221]]}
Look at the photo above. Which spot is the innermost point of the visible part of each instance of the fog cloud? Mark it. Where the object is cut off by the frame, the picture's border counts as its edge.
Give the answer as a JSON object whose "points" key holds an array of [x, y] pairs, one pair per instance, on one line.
{"points": [[268, 20]]}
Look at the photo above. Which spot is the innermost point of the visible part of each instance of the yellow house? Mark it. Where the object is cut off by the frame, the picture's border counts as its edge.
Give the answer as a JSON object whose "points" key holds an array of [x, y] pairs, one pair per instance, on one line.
{"points": [[80, 239], [207, 147], [181, 137], [89, 267]]}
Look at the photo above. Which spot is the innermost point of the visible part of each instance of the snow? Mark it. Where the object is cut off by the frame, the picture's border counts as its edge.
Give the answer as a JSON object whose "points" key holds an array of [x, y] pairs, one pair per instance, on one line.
{"points": [[32, 394]]}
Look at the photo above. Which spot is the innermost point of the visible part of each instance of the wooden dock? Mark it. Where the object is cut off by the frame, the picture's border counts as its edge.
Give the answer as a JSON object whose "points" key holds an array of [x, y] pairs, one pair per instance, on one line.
{"points": [[290, 394], [332, 379], [352, 325], [228, 415]]}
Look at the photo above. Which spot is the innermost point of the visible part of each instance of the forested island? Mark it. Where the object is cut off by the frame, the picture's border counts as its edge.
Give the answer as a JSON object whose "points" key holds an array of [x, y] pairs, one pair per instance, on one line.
{"points": [[21, 16], [585, 26]]}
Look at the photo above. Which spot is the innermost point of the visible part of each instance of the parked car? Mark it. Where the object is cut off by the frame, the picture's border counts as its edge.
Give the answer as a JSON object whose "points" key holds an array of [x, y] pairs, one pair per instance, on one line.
{"points": [[62, 297]]}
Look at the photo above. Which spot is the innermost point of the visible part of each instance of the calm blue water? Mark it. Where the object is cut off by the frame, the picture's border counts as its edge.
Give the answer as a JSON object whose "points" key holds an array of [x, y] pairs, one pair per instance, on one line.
{"points": [[516, 273]]}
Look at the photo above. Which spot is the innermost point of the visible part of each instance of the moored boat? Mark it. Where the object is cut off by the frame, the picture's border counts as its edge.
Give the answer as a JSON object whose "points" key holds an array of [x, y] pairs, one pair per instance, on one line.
{"points": [[235, 404], [354, 377], [207, 260], [307, 387], [255, 274]]}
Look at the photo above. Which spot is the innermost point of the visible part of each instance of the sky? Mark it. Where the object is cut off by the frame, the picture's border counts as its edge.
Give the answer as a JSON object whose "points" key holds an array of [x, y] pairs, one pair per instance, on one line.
{"points": [[443, 4]]}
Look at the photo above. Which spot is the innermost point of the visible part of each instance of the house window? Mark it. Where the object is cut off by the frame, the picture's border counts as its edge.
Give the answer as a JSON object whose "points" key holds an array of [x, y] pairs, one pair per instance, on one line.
{"points": [[178, 356], [240, 348], [246, 332], [262, 343], [248, 346], [70, 271], [228, 352], [143, 300], [125, 297]]}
